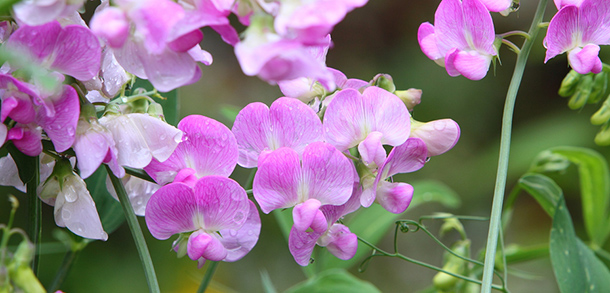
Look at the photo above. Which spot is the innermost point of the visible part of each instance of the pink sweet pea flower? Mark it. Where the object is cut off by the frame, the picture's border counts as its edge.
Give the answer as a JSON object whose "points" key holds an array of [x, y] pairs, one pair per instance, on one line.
{"points": [[439, 135], [352, 117], [498, 5], [71, 50], [324, 177], [207, 148], [93, 146], [222, 222], [337, 238], [461, 39], [579, 30], [27, 138], [395, 197], [287, 123]]}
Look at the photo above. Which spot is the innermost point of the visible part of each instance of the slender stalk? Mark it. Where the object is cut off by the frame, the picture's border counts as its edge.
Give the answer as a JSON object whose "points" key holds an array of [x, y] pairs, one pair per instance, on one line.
{"points": [[61, 274], [507, 120], [136, 232], [207, 278], [35, 210]]}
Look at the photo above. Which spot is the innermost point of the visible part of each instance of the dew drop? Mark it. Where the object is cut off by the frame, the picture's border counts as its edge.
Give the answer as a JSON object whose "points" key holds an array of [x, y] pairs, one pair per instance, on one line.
{"points": [[66, 214], [238, 216]]}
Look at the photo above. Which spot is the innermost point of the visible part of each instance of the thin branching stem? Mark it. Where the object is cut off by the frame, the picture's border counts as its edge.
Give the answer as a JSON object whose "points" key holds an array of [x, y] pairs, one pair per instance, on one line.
{"points": [[62, 272], [207, 278], [35, 212], [502, 172]]}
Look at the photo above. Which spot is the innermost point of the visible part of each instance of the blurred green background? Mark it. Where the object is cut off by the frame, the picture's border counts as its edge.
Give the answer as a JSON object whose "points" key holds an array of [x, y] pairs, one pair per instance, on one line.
{"points": [[380, 37]]}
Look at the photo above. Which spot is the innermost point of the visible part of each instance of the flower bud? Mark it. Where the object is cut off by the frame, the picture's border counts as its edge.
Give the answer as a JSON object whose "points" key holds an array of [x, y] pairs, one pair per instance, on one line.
{"points": [[603, 137], [569, 84], [580, 97], [156, 110], [453, 264], [603, 114], [600, 84], [411, 97], [23, 278], [49, 190], [384, 81]]}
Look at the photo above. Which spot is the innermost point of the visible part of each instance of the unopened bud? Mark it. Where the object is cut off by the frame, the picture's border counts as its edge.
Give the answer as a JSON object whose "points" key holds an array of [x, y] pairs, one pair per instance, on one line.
{"points": [[569, 84], [23, 278], [411, 97], [600, 84], [603, 114], [156, 110], [603, 137], [579, 98], [453, 264], [384, 81]]}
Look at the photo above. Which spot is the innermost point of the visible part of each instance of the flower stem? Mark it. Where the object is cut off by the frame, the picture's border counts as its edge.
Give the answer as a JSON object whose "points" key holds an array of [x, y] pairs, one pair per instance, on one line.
{"points": [[35, 210], [61, 274], [136, 232], [207, 278], [507, 119]]}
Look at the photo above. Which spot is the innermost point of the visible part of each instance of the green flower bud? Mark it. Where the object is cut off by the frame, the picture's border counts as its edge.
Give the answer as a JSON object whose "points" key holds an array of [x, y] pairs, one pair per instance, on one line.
{"points": [[411, 97], [24, 253], [384, 81], [23, 278], [445, 282], [180, 244], [603, 114], [156, 110], [49, 190], [600, 84], [603, 137], [580, 97], [569, 84]]}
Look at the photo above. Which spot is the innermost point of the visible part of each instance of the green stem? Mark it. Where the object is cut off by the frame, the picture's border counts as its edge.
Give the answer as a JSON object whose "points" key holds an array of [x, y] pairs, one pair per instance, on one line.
{"points": [[61, 274], [423, 264], [207, 278], [35, 210], [136, 232], [502, 173]]}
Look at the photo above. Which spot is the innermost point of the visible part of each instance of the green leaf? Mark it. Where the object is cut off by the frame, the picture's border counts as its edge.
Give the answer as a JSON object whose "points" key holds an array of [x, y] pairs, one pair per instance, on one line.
{"points": [[373, 223], [109, 209], [594, 187], [576, 267], [543, 189], [333, 281]]}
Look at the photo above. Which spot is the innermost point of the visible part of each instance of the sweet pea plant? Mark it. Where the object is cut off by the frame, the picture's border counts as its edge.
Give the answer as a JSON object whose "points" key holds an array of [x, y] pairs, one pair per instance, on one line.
{"points": [[84, 86]]}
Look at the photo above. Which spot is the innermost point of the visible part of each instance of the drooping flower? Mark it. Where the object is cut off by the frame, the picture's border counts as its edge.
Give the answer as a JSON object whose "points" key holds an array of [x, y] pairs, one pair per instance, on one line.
{"points": [[207, 148], [351, 117], [323, 177], [74, 207], [217, 219], [461, 39], [287, 123], [337, 238], [579, 30]]}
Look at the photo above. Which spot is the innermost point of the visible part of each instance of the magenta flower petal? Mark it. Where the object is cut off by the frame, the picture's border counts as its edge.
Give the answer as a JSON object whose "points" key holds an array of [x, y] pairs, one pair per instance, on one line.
{"points": [[497, 5], [427, 41], [208, 147], [221, 203], [371, 150], [27, 139], [288, 123], [91, 145], [112, 25], [239, 242], [405, 158], [585, 60], [472, 65], [344, 243], [394, 197], [276, 182], [351, 116], [204, 245], [39, 41], [61, 125], [561, 29], [18, 108], [77, 53], [327, 174], [301, 245], [305, 213], [171, 210], [154, 19]]}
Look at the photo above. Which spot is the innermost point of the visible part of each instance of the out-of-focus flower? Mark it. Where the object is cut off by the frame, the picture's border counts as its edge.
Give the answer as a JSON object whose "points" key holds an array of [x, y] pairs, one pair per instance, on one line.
{"points": [[37, 12], [221, 223], [461, 39], [287, 123], [579, 30]]}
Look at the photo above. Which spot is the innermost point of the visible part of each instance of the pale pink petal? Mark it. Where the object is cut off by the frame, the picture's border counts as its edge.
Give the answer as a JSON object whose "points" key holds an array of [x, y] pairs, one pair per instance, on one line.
{"points": [[333, 213], [471, 64], [304, 213], [449, 62], [91, 146], [585, 60], [560, 34], [221, 203], [39, 12], [394, 197], [204, 245], [161, 138], [61, 126], [227, 33], [77, 53], [561, 3], [3, 134], [344, 243], [427, 41], [328, 175], [276, 181], [479, 27], [449, 24], [497, 5], [112, 25], [251, 128], [9, 174], [301, 245], [239, 242], [405, 158], [371, 150], [439, 135], [132, 150], [171, 210], [594, 22], [155, 19]]}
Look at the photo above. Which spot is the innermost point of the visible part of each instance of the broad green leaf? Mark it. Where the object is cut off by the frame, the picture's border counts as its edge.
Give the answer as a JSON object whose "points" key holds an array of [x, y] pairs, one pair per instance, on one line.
{"points": [[373, 223], [333, 281], [594, 187], [516, 253], [109, 209], [544, 190], [576, 267]]}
